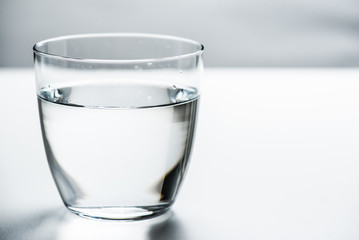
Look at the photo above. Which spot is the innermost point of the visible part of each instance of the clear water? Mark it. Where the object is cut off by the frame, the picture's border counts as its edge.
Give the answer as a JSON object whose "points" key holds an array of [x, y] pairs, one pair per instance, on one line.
{"points": [[118, 150]]}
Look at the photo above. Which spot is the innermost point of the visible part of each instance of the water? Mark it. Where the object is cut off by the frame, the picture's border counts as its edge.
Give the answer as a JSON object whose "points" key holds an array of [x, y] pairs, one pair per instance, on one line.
{"points": [[118, 151]]}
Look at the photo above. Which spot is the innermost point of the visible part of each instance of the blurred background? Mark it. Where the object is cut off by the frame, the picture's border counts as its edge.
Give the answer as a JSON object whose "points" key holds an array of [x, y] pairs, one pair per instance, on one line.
{"points": [[236, 33]]}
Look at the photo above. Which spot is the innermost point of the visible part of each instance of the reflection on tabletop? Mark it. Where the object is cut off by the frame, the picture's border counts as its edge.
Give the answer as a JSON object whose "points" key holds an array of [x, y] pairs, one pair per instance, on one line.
{"points": [[60, 224]]}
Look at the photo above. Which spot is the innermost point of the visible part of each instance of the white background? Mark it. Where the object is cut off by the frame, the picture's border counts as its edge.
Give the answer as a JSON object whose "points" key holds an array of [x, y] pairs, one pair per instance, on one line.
{"points": [[236, 33]]}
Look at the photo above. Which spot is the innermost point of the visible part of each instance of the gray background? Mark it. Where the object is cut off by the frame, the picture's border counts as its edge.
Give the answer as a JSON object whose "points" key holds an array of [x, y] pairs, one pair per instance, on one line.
{"points": [[236, 33]]}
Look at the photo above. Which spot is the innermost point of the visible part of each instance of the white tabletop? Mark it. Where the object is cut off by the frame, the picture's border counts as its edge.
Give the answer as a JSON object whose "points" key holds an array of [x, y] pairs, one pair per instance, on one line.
{"points": [[276, 156]]}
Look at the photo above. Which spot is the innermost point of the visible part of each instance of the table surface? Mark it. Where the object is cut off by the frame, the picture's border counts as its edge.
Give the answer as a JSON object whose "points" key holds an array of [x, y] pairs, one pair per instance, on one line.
{"points": [[276, 157]]}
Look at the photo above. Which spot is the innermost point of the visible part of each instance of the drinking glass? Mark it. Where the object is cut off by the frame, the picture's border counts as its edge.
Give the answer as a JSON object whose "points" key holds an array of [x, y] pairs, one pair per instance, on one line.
{"points": [[118, 115]]}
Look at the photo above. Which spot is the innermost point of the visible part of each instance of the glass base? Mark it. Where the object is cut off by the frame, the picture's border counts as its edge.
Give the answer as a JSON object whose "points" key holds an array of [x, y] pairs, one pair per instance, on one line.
{"points": [[119, 213]]}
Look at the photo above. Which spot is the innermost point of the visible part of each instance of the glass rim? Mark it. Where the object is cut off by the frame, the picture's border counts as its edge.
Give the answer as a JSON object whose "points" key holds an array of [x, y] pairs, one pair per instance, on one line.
{"points": [[37, 51]]}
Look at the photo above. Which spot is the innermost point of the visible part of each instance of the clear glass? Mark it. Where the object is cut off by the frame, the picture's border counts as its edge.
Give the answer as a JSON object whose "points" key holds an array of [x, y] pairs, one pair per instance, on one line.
{"points": [[118, 115]]}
